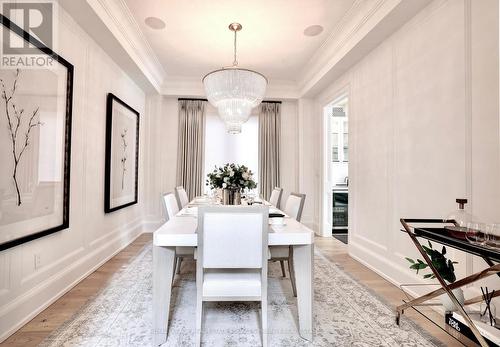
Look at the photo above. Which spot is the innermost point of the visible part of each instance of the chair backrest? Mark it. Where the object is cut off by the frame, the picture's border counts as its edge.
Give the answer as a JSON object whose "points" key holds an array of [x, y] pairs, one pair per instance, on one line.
{"points": [[182, 196], [170, 205], [294, 205], [232, 237], [275, 197]]}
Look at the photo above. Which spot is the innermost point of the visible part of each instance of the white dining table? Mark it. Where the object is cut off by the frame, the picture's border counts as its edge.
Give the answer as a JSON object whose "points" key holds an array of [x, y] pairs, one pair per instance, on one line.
{"points": [[181, 231]]}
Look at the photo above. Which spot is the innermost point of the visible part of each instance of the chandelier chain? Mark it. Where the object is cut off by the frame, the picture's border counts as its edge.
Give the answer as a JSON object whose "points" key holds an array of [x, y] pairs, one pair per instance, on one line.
{"points": [[235, 61]]}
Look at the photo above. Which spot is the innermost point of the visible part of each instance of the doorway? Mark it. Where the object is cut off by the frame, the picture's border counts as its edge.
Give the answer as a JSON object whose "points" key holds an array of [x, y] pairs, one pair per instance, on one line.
{"points": [[336, 168]]}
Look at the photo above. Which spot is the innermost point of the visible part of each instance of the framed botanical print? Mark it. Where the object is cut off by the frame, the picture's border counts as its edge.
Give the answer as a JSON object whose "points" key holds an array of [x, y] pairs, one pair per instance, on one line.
{"points": [[122, 155], [35, 139]]}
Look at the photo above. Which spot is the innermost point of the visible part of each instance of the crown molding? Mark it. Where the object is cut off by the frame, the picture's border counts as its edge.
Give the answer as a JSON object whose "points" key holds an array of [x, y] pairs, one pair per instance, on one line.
{"points": [[341, 36], [364, 26], [120, 22], [192, 87]]}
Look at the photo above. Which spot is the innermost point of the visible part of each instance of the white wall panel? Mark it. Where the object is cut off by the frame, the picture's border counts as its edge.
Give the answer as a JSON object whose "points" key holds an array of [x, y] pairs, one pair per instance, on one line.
{"points": [[423, 131], [69, 255]]}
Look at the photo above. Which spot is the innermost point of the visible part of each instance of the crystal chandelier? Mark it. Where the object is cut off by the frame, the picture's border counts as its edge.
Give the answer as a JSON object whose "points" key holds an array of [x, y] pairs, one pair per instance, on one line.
{"points": [[234, 91]]}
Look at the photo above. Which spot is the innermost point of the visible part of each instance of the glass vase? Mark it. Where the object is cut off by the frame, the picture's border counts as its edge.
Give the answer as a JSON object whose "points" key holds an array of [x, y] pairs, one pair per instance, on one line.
{"points": [[487, 315], [231, 196]]}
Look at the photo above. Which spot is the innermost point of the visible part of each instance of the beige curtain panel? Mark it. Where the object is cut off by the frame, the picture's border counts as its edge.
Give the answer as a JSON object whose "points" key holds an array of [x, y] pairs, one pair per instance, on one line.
{"points": [[191, 146], [269, 147]]}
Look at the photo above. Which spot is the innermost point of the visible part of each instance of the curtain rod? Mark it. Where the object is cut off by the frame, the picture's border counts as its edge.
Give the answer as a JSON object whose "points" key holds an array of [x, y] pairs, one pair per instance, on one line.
{"points": [[192, 99], [195, 99]]}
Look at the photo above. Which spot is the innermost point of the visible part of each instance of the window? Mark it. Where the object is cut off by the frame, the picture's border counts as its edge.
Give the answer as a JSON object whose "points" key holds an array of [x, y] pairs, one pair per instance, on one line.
{"points": [[222, 148]]}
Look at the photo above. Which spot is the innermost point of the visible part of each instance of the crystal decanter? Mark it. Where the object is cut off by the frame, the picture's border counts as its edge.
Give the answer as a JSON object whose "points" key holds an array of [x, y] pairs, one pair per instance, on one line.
{"points": [[460, 216]]}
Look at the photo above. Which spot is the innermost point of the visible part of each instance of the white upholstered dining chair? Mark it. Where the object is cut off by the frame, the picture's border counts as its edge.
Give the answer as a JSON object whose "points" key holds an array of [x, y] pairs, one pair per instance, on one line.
{"points": [[275, 197], [182, 196], [232, 258], [294, 205], [293, 208], [171, 209]]}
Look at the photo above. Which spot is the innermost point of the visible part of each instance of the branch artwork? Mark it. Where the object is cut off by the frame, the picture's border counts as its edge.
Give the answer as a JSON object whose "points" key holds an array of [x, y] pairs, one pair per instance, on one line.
{"points": [[124, 155], [15, 120]]}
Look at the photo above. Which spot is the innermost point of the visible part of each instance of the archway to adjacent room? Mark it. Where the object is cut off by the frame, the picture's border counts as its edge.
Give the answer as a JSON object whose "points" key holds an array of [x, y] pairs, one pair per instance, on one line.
{"points": [[335, 191]]}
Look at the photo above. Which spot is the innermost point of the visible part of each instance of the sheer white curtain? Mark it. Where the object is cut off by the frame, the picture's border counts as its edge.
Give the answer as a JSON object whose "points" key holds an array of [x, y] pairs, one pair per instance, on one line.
{"points": [[190, 149], [269, 147]]}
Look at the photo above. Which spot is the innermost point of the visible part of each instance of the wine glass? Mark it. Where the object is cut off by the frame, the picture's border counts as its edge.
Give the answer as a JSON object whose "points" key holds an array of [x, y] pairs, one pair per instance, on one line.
{"points": [[476, 233], [250, 197], [493, 235]]}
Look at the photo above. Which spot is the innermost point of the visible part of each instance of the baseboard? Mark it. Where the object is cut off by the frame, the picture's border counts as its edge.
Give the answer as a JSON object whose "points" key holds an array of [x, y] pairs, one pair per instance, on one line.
{"points": [[368, 258], [119, 242], [149, 226]]}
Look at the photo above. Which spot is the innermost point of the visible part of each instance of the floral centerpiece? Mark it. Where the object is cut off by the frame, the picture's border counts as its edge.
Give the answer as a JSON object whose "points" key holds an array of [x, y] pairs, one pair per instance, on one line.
{"points": [[231, 178]]}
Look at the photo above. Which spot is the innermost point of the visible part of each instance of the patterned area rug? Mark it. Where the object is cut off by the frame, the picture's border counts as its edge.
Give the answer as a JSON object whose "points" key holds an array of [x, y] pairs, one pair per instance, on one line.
{"points": [[346, 313]]}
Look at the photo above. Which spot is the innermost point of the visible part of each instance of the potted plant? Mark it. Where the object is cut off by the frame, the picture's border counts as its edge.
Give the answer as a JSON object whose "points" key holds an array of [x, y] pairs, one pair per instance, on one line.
{"points": [[446, 269], [232, 179]]}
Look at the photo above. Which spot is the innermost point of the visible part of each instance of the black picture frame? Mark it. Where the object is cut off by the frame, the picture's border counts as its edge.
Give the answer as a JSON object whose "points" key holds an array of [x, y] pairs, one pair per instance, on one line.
{"points": [[9, 25], [110, 100]]}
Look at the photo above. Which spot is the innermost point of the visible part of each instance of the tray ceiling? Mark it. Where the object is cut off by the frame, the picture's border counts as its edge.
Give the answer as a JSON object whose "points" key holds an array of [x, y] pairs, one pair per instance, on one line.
{"points": [[196, 40]]}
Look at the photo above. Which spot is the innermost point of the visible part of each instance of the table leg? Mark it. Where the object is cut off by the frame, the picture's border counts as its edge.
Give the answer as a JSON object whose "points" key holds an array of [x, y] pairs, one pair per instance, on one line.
{"points": [[163, 270], [303, 263]]}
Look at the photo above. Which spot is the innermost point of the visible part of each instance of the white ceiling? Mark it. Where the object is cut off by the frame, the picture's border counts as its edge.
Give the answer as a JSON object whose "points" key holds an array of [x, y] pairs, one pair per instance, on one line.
{"points": [[196, 39]]}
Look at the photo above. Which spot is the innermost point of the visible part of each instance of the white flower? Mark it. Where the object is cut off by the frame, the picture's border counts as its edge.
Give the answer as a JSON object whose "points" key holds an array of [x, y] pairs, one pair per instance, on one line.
{"points": [[226, 179], [224, 185], [245, 175], [231, 173]]}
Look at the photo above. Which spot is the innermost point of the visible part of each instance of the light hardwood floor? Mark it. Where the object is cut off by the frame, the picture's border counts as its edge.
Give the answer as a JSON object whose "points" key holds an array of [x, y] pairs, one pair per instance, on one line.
{"points": [[336, 252], [50, 319]]}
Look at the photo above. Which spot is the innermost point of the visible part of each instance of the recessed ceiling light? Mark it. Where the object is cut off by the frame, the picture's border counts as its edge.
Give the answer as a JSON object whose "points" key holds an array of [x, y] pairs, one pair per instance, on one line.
{"points": [[313, 30], [155, 23]]}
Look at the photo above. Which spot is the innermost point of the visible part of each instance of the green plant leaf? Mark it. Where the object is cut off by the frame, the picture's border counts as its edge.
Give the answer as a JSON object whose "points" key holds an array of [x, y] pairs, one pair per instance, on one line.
{"points": [[410, 260], [439, 262], [450, 265], [427, 250]]}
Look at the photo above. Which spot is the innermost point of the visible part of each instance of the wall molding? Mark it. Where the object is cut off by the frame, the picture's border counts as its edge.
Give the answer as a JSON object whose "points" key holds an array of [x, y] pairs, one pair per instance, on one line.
{"points": [[349, 25], [375, 262], [53, 283], [353, 29], [365, 25], [369, 242], [120, 22], [117, 231], [468, 116], [45, 270]]}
